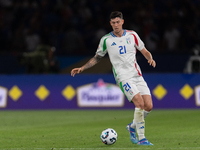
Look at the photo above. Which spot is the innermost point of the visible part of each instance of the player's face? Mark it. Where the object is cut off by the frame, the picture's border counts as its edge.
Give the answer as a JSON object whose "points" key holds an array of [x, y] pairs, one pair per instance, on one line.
{"points": [[116, 24]]}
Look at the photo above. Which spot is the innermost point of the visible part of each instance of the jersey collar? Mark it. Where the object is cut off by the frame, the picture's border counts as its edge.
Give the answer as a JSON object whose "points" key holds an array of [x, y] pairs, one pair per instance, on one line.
{"points": [[116, 36]]}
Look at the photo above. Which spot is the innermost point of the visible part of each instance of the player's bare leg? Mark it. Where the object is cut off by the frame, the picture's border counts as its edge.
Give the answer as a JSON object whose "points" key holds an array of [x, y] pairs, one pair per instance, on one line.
{"points": [[138, 121], [148, 104]]}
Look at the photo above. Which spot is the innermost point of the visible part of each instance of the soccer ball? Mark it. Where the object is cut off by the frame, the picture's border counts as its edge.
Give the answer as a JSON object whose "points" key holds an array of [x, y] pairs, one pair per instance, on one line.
{"points": [[109, 136]]}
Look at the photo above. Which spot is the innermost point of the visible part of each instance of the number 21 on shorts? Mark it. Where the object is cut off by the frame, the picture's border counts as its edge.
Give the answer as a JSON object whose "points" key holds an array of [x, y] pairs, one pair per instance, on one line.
{"points": [[127, 87]]}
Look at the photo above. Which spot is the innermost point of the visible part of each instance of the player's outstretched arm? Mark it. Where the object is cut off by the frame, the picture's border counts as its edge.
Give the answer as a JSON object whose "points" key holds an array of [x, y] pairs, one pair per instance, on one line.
{"points": [[93, 61], [148, 56]]}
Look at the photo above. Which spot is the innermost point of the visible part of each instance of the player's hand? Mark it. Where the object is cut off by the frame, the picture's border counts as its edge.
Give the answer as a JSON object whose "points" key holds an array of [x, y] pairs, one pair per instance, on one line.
{"points": [[75, 71], [152, 62]]}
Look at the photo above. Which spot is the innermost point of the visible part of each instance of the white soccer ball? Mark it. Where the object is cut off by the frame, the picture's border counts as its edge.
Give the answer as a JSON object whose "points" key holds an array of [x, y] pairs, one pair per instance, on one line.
{"points": [[109, 136]]}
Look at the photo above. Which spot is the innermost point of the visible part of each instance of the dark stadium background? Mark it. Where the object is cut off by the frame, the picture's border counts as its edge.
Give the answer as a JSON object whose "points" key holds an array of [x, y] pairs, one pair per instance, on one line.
{"points": [[74, 28]]}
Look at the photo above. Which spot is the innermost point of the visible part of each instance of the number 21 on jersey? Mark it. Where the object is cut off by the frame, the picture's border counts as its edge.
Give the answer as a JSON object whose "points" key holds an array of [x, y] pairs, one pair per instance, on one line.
{"points": [[122, 49]]}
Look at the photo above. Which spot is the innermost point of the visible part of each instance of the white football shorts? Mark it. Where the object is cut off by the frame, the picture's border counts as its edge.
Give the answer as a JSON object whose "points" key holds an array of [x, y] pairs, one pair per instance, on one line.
{"points": [[131, 87]]}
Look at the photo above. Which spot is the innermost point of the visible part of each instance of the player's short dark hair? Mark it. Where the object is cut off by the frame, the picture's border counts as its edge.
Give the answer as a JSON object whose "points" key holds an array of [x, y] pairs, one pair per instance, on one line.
{"points": [[115, 14]]}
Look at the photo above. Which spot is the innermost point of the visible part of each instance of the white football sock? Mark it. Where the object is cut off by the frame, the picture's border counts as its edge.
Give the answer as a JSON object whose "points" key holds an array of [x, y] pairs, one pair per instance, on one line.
{"points": [[146, 113], [133, 125], [139, 121]]}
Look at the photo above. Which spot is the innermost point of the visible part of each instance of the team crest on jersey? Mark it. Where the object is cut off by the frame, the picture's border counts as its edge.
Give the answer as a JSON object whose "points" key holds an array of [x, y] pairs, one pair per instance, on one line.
{"points": [[128, 40]]}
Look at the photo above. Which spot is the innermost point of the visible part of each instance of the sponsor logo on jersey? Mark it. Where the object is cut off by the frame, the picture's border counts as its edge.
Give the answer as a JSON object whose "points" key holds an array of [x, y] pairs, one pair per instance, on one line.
{"points": [[128, 40], [113, 44], [100, 94]]}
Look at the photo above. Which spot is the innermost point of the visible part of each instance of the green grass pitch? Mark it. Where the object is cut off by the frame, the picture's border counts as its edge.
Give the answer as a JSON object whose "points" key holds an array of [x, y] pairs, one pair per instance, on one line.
{"points": [[81, 129]]}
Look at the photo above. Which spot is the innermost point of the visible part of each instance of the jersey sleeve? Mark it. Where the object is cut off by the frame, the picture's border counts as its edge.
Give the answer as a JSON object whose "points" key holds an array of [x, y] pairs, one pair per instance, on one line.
{"points": [[138, 42], [102, 48]]}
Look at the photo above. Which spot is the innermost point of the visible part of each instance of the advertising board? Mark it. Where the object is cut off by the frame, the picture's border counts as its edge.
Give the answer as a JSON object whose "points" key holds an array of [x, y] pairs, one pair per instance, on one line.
{"points": [[97, 91]]}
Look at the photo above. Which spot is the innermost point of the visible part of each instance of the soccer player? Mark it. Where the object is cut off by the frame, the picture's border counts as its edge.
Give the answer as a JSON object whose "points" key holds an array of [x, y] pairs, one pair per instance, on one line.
{"points": [[121, 46]]}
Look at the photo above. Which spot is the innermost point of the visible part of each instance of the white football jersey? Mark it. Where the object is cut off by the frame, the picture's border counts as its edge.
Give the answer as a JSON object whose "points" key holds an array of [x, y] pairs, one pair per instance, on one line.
{"points": [[122, 53]]}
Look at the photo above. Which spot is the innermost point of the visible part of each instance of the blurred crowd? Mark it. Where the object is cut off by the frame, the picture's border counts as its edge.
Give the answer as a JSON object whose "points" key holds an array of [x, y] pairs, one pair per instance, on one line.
{"points": [[74, 27]]}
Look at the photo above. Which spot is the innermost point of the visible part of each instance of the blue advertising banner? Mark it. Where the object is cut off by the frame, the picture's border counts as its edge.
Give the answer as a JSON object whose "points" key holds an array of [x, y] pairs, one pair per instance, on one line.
{"points": [[94, 91]]}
